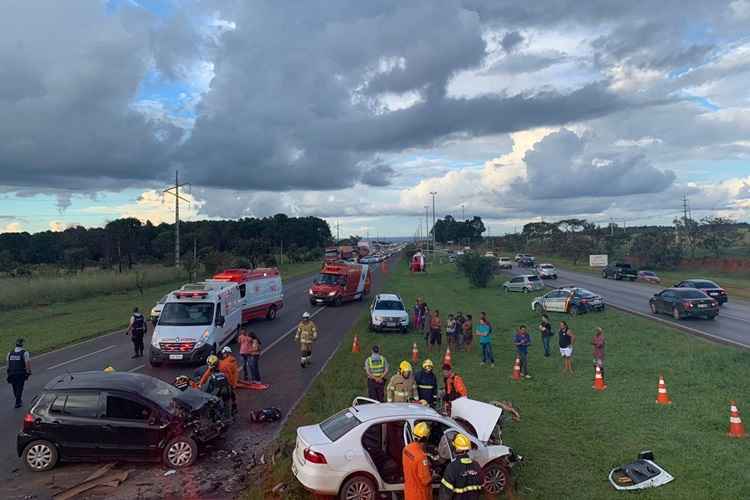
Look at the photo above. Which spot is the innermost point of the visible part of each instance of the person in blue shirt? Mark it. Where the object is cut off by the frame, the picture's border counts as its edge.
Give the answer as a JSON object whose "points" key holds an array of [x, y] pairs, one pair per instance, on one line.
{"points": [[485, 341], [522, 340]]}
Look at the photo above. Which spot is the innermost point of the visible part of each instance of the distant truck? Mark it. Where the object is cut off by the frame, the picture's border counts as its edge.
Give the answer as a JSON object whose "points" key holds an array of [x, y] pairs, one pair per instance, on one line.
{"points": [[620, 271], [340, 282]]}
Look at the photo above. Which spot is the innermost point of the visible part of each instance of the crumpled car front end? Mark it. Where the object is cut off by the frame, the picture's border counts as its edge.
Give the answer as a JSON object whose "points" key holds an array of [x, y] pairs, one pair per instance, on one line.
{"points": [[201, 415]]}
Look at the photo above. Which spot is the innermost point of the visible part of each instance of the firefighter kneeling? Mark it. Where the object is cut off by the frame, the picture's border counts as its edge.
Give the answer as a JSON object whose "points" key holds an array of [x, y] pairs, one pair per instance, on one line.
{"points": [[463, 476], [417, 472]]}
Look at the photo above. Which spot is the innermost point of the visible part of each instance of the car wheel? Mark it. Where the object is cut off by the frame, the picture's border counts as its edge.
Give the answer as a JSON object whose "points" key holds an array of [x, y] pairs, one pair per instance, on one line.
{"points": [[495, 478], [618, 277], [40, 456], [538, 308], [337, 301], [507, 290], [358, 488], [573, 311], [271, 315], [525, 290], [180, 452], [604, 276], [676, 313], [653, 307], [312, 302], [713, 316]]}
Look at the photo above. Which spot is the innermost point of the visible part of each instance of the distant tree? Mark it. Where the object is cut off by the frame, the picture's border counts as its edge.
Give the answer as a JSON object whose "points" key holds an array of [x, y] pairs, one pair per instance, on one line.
{"points": [[717, 234], [658, 249], [479, 270]]}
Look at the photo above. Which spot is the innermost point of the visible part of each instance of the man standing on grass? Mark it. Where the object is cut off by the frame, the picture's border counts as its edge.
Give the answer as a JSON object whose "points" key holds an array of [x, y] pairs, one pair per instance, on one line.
{"points": [[136, 330], [522, 341], [376, 368], [546, 328], [567, 339], [19, 370], [485, 341], [598, 343]]}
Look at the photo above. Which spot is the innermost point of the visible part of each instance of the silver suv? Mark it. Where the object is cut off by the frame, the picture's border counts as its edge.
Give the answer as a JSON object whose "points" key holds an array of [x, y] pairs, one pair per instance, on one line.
{"points": [[525, 283], [387, 312]]}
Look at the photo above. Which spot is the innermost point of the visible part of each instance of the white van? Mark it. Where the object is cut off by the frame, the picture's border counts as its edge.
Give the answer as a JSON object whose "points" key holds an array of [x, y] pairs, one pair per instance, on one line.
{"points": [[197, 320]]}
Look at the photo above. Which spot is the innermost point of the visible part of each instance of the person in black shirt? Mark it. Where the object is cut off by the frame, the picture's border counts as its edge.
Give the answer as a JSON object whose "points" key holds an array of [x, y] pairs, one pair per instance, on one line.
{"points": [[567, 339], [18, 369], [137, 329]]}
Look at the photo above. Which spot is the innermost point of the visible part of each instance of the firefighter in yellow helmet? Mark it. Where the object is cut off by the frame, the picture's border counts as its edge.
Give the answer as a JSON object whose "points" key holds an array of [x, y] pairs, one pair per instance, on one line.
{"points": [[109, 369], [402, 388], [306, 334], [417, 472], [463, 476]]}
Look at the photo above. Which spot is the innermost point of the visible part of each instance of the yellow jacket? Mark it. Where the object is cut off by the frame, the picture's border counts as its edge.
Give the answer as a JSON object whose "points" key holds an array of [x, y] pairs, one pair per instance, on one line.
{"points": [[306, 333], [402, 390]]}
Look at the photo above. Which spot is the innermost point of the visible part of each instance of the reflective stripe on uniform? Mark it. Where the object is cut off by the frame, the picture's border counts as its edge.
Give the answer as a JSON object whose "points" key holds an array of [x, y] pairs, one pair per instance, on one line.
{"points": [[474, 487], [425, 386], [376, 367]]}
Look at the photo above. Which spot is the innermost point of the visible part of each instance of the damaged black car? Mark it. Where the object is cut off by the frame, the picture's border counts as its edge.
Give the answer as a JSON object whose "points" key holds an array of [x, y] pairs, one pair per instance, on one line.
{"points": [[93, 416]]}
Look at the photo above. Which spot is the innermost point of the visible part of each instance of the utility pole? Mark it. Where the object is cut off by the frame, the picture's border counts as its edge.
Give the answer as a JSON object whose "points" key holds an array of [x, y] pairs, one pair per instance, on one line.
{"points": [[195, 258], [175, 191], [433, 193], [338, 234], [427, 225]]}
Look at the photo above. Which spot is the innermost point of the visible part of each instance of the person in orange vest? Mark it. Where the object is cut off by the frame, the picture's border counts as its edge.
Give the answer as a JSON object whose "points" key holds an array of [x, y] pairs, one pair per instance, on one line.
{"points": [[229, 367], [454, 387], [417, 472]]}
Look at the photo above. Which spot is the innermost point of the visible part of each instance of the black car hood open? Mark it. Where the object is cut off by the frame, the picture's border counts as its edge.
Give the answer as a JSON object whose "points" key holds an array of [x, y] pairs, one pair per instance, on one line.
{"points": [[193, 399]]}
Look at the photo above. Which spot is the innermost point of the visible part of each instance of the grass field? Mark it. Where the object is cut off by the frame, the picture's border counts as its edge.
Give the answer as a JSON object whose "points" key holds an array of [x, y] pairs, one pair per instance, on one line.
{"points": [[54, 325], [736, 284], [570, 435]]}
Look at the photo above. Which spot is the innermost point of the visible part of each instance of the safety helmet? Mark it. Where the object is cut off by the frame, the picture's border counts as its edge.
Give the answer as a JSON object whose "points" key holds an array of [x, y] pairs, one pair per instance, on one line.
{"points": [[109, 369], [405, 366], [461, 443], [212, 360], [422, 430], [227, 350], [182, 382], [427, 364], [305, 315]]}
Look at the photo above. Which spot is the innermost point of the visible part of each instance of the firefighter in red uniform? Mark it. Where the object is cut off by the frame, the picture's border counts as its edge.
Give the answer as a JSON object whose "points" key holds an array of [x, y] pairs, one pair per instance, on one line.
{"points": [[417, 472]]}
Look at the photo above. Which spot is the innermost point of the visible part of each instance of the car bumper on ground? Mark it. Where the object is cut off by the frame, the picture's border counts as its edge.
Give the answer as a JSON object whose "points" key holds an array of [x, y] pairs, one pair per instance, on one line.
{"points": [[198, 355]]}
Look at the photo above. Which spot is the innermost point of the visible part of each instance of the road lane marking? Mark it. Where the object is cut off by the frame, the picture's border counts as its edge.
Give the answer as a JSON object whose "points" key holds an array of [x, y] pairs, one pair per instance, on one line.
{"points": [[81, 357], [136, 368], [315, 313]]}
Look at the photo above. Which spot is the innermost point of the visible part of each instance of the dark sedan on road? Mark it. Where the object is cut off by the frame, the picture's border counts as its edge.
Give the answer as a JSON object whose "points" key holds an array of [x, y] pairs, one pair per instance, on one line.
{"points": [[709, 287], [684, 303], [91, 416]]}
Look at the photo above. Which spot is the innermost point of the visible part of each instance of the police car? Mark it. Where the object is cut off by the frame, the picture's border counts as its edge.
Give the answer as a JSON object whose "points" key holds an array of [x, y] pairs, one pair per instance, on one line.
{"points": [[568, 299]]}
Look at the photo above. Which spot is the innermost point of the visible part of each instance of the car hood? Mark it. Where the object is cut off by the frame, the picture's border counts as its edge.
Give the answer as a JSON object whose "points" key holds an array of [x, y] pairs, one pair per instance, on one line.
{"points": [[193, 400], [323, 289], [191, 333], [482, 416]]}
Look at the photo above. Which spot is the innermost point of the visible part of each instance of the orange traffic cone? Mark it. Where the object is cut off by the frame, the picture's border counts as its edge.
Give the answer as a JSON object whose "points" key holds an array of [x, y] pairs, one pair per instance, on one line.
{"points": [[599, 384], [414, 353], [736, 427], [663, 398], [448, 359], [517, 369], [355, 344]]}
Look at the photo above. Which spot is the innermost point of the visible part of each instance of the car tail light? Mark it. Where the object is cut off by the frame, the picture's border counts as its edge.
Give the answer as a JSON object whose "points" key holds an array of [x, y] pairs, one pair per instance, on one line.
{"points": [[28, 421], [689, 305], [584, 301], [314, 457]]}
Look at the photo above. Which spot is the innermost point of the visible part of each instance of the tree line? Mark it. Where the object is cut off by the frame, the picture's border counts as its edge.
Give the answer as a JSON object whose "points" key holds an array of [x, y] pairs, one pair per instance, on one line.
{"points": [[122, 243], [654, 246]]}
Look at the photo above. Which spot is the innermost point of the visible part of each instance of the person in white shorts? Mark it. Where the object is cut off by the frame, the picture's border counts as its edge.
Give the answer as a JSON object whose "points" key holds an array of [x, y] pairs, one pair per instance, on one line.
{"points": [[567, 339]]}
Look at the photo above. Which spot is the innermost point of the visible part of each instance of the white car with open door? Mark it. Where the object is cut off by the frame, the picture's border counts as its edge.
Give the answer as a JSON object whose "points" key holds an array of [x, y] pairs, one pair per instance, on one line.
{"points": [[356, 453]]}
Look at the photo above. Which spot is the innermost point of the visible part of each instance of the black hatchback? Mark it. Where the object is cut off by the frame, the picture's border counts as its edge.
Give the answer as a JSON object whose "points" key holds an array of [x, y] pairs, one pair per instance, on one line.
{"points": [[709, 287], [684, 303], [92, 416]]}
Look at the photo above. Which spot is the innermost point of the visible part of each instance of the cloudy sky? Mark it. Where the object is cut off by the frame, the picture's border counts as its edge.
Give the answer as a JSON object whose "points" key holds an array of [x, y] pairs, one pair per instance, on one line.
{"points": [[356, 111]]}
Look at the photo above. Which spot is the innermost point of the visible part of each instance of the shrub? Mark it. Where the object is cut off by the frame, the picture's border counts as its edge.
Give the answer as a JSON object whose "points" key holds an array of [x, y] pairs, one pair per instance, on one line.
{"points": [[479, 270]]}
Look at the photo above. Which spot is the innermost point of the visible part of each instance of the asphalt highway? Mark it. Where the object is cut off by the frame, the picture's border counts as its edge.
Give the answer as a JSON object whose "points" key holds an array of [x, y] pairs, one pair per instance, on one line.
{"points": [[732, 326], [279, 366]]}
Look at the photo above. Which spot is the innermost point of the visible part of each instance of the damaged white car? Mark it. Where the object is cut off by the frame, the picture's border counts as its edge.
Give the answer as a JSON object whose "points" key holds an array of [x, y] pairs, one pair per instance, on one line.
{"points": [[356, 453]]}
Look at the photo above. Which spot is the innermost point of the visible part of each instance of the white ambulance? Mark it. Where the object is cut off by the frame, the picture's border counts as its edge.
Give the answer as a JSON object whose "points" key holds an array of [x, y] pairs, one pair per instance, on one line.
{"points": [[260, 288], [196, 320]]}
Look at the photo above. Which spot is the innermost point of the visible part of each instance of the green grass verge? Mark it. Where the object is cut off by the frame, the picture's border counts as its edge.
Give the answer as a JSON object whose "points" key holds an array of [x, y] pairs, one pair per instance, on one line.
{"points": [[570, 434], [55, 325], [736, 284]]}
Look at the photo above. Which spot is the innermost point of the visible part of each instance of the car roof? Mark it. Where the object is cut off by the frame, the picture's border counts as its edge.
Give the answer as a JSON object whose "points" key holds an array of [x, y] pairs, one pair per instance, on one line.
{"points": [[388, 296], [371, 411], [101, 380], [700, 279]]}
